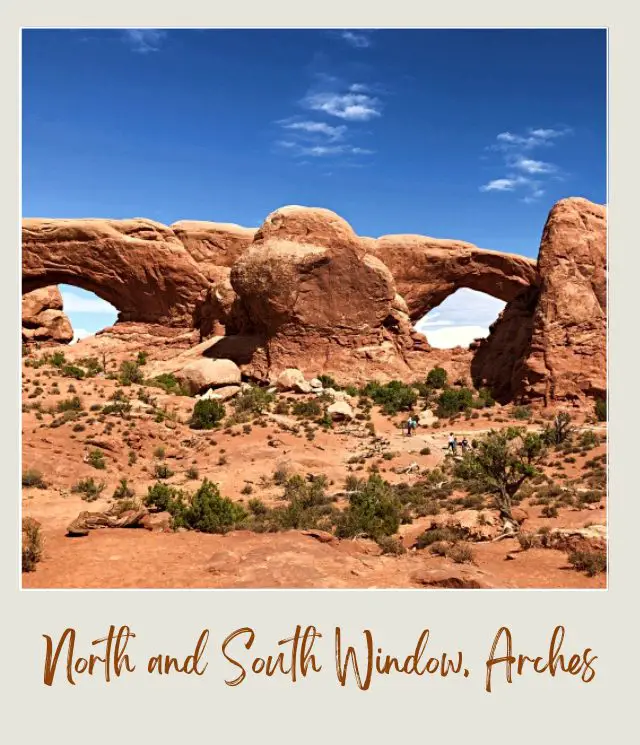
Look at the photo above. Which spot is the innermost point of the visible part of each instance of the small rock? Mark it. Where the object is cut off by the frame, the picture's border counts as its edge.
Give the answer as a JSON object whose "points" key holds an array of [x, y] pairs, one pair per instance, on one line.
{"points": [[340, 410], [315, 384], [222, 394], [290, 378], [207, 372]]}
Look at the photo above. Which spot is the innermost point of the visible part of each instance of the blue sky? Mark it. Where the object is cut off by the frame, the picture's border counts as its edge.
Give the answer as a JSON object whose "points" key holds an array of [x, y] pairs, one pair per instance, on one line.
{"points": [[455, 134]]}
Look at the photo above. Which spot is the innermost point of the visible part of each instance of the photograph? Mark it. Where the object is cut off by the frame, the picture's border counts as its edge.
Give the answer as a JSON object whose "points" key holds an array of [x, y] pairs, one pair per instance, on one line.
{"points": [[314, 308]]}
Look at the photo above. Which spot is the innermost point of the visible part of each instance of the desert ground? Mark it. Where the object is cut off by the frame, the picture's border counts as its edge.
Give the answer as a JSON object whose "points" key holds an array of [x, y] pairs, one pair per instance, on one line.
{"points": [[100, 441]]}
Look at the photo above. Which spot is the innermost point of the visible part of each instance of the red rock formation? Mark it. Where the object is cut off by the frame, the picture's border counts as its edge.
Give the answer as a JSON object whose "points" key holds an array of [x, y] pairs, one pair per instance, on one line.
{"points": [[139, 266], [43, 319], [212, 244], [550, 344], [427, 270]]}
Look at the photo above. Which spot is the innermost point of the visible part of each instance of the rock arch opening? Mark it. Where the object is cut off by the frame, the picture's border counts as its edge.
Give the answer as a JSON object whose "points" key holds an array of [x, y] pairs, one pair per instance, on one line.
{"points": [[462, 317], [87, 312]]}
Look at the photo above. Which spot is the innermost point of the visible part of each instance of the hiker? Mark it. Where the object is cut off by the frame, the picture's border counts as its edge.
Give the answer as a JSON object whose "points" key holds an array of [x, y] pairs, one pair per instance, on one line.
{"points": [[414, 424], [409, 426], [453, 443], [464, 444]]}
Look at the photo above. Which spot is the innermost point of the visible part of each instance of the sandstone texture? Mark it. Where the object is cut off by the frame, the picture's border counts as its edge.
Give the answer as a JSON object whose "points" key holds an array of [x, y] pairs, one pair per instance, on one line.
{"points": [[139, 266], [208, 373], [43, 319], [549, 343]]}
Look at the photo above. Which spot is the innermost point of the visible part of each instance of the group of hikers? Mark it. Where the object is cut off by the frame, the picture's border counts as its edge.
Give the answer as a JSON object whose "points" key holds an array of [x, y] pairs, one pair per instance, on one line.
{"points": [[453, 444]]}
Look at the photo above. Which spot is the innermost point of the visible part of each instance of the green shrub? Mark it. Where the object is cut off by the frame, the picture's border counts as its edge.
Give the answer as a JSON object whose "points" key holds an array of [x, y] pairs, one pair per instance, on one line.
{"points": [[257, 507], [96, 459], [207, 414], [72, 371], [69, 404], [33, 478], [208, 512], [452, 401], [521, 412], [130, 372], [307, 409], [591, 563], [253, 400], [438, 535], [89, 489], [162, 471], [392, 397], [589, 439], [373, 511], [159, 452], [57, 359], [460, 553], [328, 382], [425, 451], [165, 498], [123, 490], [168, 383], [437, 378], [601, 410], [141, 359]]}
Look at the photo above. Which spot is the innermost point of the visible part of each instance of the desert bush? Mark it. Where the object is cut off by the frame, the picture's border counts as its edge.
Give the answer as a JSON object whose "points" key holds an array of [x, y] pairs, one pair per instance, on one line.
{"points": [[129, 373], [207, 414], [391, 545], [32, 544], [591, 563], [257, 507], [373, 510], [460, 553], [159, 452], [521, 412], [72, 371], [437, 378], [162, 471], [33, 478], [96, 459], [254, 400], [165, 498], [559, 431], [601, 410], [438, 535], [328, 382], [452, 401], [391, 397], [57, 359], [425, 451], [123, 490], [192, 473], [588, 439], [247, 489], [141, 359], [168, 383], [89, 489], [69, 404], [208, 512]]}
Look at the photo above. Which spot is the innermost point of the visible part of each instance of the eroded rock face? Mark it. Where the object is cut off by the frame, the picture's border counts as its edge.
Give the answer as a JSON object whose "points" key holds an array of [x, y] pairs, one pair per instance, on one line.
{"points": [[567, 357], [213, 244], [549, 344], [427, 270], [138, 265], [43, 319]]}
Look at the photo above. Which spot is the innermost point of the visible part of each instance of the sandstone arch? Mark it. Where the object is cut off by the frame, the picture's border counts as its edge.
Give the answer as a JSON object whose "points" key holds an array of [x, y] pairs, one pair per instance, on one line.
{"points": [[427, 270], [138, 265]]}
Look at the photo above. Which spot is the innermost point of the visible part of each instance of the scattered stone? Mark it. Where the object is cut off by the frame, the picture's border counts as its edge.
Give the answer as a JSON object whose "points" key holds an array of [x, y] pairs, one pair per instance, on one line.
{"points": [[208, 373], [340, 411]]}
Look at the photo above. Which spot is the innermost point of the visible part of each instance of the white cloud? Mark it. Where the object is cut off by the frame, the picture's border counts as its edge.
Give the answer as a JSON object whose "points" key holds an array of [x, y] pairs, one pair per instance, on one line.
{"points": [[144, 40], [73, 303], [319, 151], [534, 166], [80, 334], [357, 39], [512, 148], [316, 128], [464, 316], [504, 184], [350, 106]]}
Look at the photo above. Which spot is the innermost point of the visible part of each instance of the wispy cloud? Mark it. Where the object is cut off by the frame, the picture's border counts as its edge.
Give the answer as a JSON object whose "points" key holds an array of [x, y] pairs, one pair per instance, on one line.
{"points": [[315, 128], [524, 172], [144, 40], [357, 39], [320, 151], [351, 106]]}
